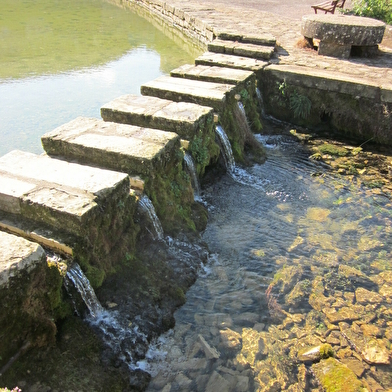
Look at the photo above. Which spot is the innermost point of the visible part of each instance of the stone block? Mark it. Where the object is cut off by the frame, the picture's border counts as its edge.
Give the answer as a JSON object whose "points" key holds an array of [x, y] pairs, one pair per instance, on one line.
{"points": [[230, 61], [181, 117], [62, 195], [17, 255], [241, 49], [194, 91], [334, 50], [215, 74], [130, 149]]}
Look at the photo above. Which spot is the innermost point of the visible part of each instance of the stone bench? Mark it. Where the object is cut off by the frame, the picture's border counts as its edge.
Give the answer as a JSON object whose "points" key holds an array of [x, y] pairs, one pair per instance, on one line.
{"points": [[339, 34]]}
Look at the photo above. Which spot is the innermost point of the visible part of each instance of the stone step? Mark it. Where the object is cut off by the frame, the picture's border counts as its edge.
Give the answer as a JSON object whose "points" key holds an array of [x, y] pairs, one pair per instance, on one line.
{"points": [[62, 195], [55, 239], [183, 118], [17, 255], [214, 74], [202, 93], [127, 148], [266, 39], [230, 61], [260, 52]]}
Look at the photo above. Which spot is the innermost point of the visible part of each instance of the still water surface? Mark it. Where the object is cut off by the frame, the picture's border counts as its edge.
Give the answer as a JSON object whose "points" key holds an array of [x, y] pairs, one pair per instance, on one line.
{"points": [[63, 59]]}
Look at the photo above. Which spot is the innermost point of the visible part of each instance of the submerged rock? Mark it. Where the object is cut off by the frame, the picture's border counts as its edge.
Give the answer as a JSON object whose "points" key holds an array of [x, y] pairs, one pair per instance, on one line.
{"points": [[335, 376], [372, 350], [314, 354]]}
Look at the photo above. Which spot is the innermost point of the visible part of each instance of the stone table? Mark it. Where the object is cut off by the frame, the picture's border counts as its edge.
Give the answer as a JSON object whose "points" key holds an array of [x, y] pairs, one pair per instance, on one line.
{"points": [[340, 34]]}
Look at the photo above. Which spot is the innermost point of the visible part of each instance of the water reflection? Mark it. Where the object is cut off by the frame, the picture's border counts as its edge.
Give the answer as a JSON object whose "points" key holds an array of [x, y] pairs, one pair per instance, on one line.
{"points": [[60, 60]]}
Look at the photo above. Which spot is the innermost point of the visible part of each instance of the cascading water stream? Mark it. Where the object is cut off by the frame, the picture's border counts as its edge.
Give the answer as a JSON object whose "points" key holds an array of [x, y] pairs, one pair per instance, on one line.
{"points": [[84, 288], [147, 208], [120, 338], [236, 173], [227, 151], [191, 168]]}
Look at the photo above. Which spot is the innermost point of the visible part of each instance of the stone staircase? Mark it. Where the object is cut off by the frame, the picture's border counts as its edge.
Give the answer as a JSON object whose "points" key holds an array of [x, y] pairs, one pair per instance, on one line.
{"points": [[80, 198]]}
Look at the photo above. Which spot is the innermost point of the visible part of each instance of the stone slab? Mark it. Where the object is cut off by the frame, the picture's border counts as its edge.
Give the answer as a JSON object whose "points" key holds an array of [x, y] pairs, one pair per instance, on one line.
{"points": [[17, 254], [241, 49], [214, 74], [183, 118], [230, 61], [263, 39], [127, 148], [194, 91], [330, 81], [60, 194]]}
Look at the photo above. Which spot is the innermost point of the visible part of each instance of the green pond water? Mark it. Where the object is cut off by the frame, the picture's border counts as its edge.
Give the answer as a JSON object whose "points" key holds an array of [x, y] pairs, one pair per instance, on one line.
{"points": [[60, 60]]}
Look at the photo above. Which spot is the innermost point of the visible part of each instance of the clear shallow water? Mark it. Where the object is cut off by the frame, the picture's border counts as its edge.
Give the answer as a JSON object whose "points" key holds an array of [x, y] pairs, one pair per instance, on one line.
{"points": [[60, 60], [298, 221]]}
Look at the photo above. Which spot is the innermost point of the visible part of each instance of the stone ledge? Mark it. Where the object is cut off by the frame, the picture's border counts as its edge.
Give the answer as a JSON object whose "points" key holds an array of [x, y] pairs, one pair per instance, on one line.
{"points": [[331, 81], [17, 254]]}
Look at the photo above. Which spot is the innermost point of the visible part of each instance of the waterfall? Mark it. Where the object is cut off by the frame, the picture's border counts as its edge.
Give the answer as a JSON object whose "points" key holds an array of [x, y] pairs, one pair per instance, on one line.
{"points": [[261, 102], [191, 168], [83, 286], [147, 207], [241, 107], [227, 152]]}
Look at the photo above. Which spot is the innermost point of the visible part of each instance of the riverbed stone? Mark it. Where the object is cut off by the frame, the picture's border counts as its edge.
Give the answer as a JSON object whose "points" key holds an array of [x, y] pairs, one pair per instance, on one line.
{"points": [[210, 352], [364, 296], [230, 339], [183, 118], [131, 149], [336, 376], [372, 350], [217, 383], [347, 313], [184, 90]]}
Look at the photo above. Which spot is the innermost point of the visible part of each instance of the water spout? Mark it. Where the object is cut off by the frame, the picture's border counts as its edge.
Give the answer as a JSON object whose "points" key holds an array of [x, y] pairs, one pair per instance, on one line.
{"points": [[227, 151], [191, 169], [83, 286], [148, 209]]}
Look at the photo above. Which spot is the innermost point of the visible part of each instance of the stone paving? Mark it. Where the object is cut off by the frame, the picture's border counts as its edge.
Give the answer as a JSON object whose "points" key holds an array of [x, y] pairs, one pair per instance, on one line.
{"points": [[224, 18]]}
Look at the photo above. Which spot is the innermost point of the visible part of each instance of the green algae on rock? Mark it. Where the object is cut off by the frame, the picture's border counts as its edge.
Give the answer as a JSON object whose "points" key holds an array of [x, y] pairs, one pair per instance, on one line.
{"points": [[336, 377]]}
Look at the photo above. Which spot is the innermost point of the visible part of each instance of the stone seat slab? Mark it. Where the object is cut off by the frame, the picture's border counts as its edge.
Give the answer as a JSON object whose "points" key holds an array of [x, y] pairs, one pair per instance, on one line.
{"points": [[127, 148], [338, 34], [230, 61], [260, 52], [59, 194], [215, 74], [194, 91], [266, 39], [183, 118]]}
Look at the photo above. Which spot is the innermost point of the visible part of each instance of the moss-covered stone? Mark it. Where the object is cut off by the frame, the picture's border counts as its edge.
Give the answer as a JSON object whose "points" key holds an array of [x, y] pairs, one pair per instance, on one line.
{"points": [[29, 306], [336, 377]]}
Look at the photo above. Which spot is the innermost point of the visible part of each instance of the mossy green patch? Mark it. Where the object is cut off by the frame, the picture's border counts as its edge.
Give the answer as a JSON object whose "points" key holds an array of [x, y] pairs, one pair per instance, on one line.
{"points": [[336, 377], [333, 149]]}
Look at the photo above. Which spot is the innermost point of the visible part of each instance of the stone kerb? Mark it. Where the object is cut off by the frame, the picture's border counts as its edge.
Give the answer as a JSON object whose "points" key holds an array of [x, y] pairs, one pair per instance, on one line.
{"points": [[339, 33]]}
